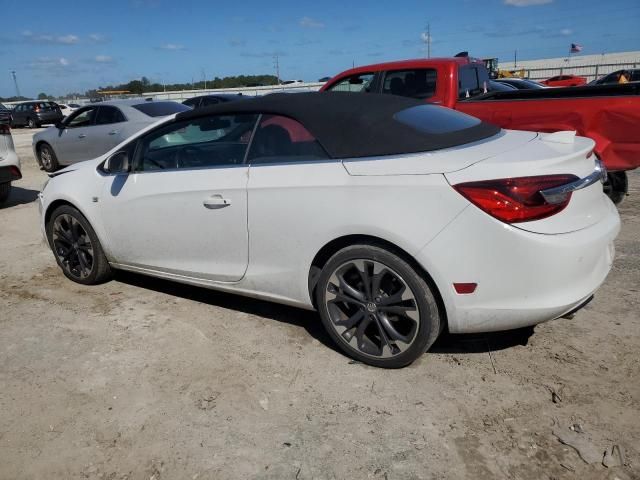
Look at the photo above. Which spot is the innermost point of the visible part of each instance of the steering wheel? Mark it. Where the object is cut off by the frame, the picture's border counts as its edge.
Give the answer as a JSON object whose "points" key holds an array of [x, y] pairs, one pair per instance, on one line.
{"points": [[187, 156]]}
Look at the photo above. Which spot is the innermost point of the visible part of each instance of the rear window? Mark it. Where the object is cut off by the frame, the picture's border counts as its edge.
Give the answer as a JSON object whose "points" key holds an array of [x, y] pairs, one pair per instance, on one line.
{"points": [[435, 120], [160, 109]]}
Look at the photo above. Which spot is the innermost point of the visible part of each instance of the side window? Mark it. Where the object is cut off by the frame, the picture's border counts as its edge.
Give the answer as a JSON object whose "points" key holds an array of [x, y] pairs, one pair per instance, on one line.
{"points": [[283, 140], [468, 82], [192, 102], [107, 115], [81, 118], [417, 83], [635, 75], [219, 140], [356, 83]]}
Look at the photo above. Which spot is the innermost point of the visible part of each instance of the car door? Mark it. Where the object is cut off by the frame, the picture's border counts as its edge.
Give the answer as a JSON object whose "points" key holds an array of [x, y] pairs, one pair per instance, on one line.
{"points": [[107, 131], [72, 143], [183, 209]]}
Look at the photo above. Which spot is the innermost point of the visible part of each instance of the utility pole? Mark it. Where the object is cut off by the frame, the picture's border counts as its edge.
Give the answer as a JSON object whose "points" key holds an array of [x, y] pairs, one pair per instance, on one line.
{"points": [[515, 59], [428, 40], [204, 77], [15, 82], [276, 65]]}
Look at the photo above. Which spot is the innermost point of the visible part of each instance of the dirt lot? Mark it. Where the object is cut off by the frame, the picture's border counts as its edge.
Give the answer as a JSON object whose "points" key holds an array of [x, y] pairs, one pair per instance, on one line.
{"points": [[145, 379]]}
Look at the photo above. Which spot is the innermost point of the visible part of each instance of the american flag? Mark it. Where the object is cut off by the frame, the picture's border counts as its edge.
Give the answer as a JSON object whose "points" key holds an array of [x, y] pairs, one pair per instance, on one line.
{"points": [[575, 48]]}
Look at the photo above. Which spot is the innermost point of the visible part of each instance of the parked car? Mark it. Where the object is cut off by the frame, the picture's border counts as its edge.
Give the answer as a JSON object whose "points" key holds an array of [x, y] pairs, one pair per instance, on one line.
{"points": [[324, 79], [68, 108], [564, 81], [291, 82], [632, 75], [95, 129], [35, 114], [521, 83], [9, 163], [208, 100], [5, 114], [609, 114], [394, 219]]}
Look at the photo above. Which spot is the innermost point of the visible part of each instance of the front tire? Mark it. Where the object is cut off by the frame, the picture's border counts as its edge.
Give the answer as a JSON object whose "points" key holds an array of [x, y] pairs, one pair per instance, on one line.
{"points": [[47, 157], [31, 123], [76, 247], [376, 307], [5, 190]]}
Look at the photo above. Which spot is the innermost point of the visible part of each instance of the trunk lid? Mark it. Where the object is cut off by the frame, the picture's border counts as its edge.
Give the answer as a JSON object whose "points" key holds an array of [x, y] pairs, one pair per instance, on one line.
{"points": [[559, 153], [440, 161]]}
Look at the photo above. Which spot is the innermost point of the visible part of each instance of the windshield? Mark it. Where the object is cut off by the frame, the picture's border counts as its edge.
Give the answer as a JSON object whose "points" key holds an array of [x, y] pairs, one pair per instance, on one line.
{"points": [[161, 109], [3, 107]]}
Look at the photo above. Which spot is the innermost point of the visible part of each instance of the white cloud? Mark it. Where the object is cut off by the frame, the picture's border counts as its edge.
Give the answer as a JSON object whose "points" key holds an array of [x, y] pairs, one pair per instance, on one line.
{"points": [[237, 42], [28, 35], [172, 46], [50, 63], [426, 38], [98, 38], [63, 61], [566, 32], [308, 22], [526, 3], [68, 39], [103, 59]]}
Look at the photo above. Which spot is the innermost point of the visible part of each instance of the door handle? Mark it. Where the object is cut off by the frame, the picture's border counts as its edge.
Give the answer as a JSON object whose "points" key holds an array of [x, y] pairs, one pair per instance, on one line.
{"points": [[216, 201], [113, 132], [82, 135]]}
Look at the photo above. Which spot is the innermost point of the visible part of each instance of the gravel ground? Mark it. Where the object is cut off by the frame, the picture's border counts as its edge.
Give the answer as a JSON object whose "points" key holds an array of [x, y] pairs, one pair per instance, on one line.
{"points": [[146, 379]]}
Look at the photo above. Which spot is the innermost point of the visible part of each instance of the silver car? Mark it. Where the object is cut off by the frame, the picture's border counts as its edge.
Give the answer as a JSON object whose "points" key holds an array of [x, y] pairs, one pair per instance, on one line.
{"points": [[95, 129]]}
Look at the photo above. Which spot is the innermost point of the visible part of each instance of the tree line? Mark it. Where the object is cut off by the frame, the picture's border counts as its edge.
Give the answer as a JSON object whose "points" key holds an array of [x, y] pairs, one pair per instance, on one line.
{"points": [[145, 85]]}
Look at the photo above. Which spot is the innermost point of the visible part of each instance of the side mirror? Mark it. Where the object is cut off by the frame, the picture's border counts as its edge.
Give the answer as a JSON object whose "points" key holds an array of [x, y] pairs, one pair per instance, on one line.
{"points": [[118, 163], [59, 125]]}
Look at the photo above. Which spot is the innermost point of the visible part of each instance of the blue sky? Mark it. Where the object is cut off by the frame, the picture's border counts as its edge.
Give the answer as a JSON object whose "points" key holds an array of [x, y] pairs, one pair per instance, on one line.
{"points": [[63, 46]]}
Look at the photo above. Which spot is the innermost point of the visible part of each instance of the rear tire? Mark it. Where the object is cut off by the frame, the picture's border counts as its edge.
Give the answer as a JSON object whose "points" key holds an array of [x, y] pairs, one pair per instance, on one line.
{"points": [[76, 247], [616, 186], [5, 190], [376, 307], [31, 123], [47, 158]]}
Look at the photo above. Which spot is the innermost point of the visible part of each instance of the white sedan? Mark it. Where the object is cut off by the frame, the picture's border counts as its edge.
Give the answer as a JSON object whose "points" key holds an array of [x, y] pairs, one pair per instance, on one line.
{"points": [[394, 219]]}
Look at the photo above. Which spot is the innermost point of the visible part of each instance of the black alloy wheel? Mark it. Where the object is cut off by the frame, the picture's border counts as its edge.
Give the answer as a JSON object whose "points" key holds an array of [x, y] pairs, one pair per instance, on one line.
{"points": [[76, 247], [376, 307]]}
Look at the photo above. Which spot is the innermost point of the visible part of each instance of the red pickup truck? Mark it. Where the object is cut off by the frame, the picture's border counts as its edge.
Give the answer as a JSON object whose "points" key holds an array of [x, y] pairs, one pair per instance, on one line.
{"points": [[610, 115]]}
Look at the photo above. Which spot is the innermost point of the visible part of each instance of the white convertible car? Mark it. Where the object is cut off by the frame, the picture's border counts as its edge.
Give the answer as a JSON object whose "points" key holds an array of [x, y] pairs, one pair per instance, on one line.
{"points": [[394, 219]]}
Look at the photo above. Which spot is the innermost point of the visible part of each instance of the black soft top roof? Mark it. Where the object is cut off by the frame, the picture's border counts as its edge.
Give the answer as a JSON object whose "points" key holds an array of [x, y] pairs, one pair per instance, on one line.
{"points": [[350, 125]]}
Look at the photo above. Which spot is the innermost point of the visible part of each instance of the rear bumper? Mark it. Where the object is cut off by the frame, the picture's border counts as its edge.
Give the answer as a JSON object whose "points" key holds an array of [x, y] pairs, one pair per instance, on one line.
{"points": [[523, 278], [9, 167]]}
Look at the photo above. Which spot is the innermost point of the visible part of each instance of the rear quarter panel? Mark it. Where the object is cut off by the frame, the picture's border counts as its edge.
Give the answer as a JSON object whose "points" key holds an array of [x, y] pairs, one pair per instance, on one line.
{"points": [[296, 209]]}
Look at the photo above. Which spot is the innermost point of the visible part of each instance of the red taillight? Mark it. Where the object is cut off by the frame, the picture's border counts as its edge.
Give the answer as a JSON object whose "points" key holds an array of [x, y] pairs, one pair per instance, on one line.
{"points": [[4, 130], [514, 200]]}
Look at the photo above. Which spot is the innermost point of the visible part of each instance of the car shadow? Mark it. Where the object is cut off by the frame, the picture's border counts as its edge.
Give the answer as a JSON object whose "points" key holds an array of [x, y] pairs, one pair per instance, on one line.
{"points": [[20, 196], [481, 342], [296, 317], [308, 320]]}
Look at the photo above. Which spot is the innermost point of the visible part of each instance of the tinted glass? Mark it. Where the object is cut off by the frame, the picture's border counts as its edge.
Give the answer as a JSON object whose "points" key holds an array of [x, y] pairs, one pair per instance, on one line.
{"points": [[417, 83], [356, 83], [160, 109], [107, 115], [435, 120], [220, 140], [468, 83], [82, 118], [3, 107], [282, 140], [192, 102]]}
